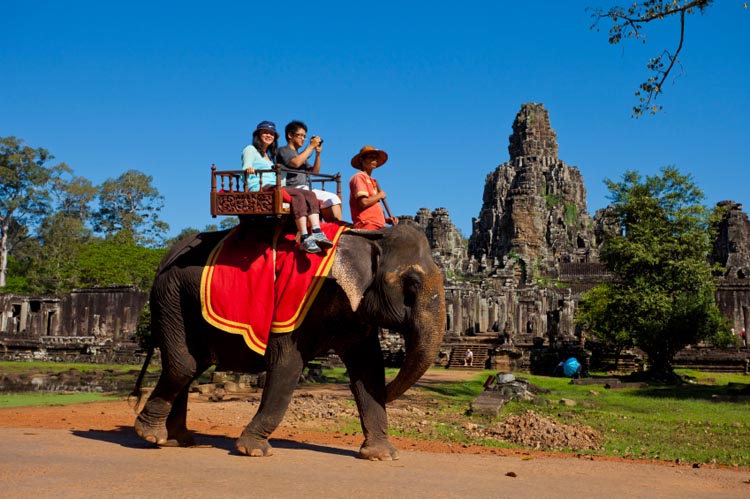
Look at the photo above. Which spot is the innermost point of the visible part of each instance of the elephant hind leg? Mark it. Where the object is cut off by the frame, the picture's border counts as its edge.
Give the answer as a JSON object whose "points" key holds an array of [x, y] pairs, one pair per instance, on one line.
{"points": [[149, 425], [163, 419], [177, 433]]}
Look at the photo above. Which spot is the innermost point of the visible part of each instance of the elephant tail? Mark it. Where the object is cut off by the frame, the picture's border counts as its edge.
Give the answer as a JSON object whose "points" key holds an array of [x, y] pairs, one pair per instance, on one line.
{"points": [[137, 392]]}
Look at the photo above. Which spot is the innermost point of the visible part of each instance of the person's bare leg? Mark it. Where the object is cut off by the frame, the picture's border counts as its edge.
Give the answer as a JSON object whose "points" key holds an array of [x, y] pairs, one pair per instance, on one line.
{"points": [[327, 213], [336, 209], [301, 223], [332, 213]]}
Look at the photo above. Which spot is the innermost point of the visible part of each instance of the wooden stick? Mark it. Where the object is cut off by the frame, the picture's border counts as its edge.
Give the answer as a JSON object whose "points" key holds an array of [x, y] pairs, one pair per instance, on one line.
{"points": [[385, 205], [387, 210]]}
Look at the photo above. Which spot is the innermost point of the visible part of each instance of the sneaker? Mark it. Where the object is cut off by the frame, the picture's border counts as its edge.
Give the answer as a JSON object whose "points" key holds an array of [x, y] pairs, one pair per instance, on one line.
{"points": [[309, 246], [321, 240]]}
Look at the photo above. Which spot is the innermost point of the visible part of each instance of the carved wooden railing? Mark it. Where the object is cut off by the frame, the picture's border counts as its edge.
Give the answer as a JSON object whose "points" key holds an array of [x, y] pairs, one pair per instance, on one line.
{"points": [[230, 195]]}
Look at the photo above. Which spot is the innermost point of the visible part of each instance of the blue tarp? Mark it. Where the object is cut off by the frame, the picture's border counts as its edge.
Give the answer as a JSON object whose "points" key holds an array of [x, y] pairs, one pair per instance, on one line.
{"points": [[571, 366]]}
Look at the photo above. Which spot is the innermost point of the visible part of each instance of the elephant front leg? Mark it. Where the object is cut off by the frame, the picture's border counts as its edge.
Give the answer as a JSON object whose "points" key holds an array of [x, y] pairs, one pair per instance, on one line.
{"points": [[374, 420], [281, 380], [367, 382]]}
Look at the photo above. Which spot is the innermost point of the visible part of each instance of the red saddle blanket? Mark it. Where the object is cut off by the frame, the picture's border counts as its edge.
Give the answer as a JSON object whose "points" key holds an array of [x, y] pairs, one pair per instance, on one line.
{"points": [[251, 287]]}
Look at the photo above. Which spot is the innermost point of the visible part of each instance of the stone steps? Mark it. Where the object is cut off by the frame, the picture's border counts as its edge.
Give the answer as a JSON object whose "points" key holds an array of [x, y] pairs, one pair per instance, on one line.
{"points": [[458, 354]]}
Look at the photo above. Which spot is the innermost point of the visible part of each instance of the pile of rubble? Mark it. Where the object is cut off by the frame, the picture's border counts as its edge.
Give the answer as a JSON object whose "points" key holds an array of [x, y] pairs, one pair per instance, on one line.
{"points": [[528, 429], [313, 406], [539, 432]]}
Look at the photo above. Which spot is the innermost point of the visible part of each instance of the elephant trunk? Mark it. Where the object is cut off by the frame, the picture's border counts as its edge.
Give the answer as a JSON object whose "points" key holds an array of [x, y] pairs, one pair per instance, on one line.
{"points": [[422, 346]]}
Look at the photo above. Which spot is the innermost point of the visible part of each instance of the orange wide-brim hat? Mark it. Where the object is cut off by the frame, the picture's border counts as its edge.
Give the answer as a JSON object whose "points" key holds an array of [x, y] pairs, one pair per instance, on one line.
{"points": [[382, 156]]}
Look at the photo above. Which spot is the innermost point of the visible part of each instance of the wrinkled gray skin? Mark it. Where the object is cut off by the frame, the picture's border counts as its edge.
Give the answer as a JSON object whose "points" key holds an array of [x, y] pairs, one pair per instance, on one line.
{"points": [[383, 278]]}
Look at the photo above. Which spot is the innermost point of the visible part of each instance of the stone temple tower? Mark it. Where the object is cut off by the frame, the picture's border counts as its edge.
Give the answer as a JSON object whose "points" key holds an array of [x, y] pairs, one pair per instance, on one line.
{"points": [[534, 206]]}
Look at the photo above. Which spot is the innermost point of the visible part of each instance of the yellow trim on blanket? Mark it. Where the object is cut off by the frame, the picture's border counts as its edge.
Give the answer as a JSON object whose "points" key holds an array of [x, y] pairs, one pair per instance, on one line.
{"points": [[210, 316], [296, 320]]}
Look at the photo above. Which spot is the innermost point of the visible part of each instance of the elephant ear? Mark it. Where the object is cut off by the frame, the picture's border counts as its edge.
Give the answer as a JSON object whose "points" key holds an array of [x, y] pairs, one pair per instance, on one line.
{"points": [[356, 262]]}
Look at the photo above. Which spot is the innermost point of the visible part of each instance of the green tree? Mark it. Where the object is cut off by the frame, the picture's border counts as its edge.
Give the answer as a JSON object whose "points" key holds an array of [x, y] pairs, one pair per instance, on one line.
{"points": [[73, 197], [55, 268], [24, 196], [130, 205], [143, 329], [631, 21], [22, 248], [17, 282], [113, 262], [53, 259], [662, 295]]}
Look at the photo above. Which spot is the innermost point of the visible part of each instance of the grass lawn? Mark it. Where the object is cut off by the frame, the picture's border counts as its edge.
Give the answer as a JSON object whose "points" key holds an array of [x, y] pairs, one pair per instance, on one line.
{"points": [[51, 398], [673, 423]]}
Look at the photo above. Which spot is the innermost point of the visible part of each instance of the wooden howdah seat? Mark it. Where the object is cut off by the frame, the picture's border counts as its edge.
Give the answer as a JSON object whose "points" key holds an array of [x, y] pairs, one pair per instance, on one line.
{"points": [[230, 196]]}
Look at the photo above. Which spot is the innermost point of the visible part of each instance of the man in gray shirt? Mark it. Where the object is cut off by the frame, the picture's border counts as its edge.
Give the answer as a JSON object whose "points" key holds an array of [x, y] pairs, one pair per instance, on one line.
{"points": [[293, 156]]}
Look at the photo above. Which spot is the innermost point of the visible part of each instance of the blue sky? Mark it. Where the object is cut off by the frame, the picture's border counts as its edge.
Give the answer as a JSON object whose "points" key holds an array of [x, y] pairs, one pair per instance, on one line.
{"points": [[168, 88]]}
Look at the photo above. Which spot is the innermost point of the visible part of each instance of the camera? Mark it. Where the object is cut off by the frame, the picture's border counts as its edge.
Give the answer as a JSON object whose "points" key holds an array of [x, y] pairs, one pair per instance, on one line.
{"points": [[321, 140]]}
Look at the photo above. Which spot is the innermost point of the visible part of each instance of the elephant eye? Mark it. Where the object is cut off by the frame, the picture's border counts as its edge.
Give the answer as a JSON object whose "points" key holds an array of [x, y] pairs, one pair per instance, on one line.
{"points": [[412, 285]]}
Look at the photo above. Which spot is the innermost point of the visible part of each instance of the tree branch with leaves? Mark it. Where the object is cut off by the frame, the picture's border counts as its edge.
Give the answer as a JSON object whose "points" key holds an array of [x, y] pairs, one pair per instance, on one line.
{"points": [[630, 22]]}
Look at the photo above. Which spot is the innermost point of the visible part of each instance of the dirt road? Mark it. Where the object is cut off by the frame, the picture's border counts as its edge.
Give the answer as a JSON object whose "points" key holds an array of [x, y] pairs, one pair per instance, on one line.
{"points": [[90, 450], [114, 463]]}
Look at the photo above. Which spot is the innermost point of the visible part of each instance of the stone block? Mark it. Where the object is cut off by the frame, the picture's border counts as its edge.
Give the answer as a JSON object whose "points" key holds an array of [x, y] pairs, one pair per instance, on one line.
{"points": [[206, 389], [488, 403]]}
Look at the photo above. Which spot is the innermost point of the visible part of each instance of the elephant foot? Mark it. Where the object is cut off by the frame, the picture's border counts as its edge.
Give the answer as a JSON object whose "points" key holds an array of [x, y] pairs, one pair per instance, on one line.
{"points": [[154, 433], [158, 434], [381, 450], [182, 439], [254, 447]]}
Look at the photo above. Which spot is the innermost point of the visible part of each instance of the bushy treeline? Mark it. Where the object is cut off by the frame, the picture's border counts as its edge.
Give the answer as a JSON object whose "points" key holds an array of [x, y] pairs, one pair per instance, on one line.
{"points": [[59, 231]]}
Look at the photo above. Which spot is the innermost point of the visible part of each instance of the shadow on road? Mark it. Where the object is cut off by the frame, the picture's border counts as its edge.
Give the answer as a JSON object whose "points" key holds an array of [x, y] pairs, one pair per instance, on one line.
{"points": [[125, 437]]}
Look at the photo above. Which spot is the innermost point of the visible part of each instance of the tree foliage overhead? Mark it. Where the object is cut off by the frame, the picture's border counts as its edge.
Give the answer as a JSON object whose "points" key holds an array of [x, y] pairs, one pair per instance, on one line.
{"points": [[662, 296], [631, 21]]}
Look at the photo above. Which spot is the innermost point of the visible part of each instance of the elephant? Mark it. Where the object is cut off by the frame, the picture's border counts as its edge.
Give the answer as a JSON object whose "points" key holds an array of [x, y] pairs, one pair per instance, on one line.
{"points": [[385, 278]]}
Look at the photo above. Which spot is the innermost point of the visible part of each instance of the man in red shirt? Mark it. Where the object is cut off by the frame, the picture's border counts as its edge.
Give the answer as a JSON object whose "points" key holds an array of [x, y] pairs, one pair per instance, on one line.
{"points": [[364, 193]]}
